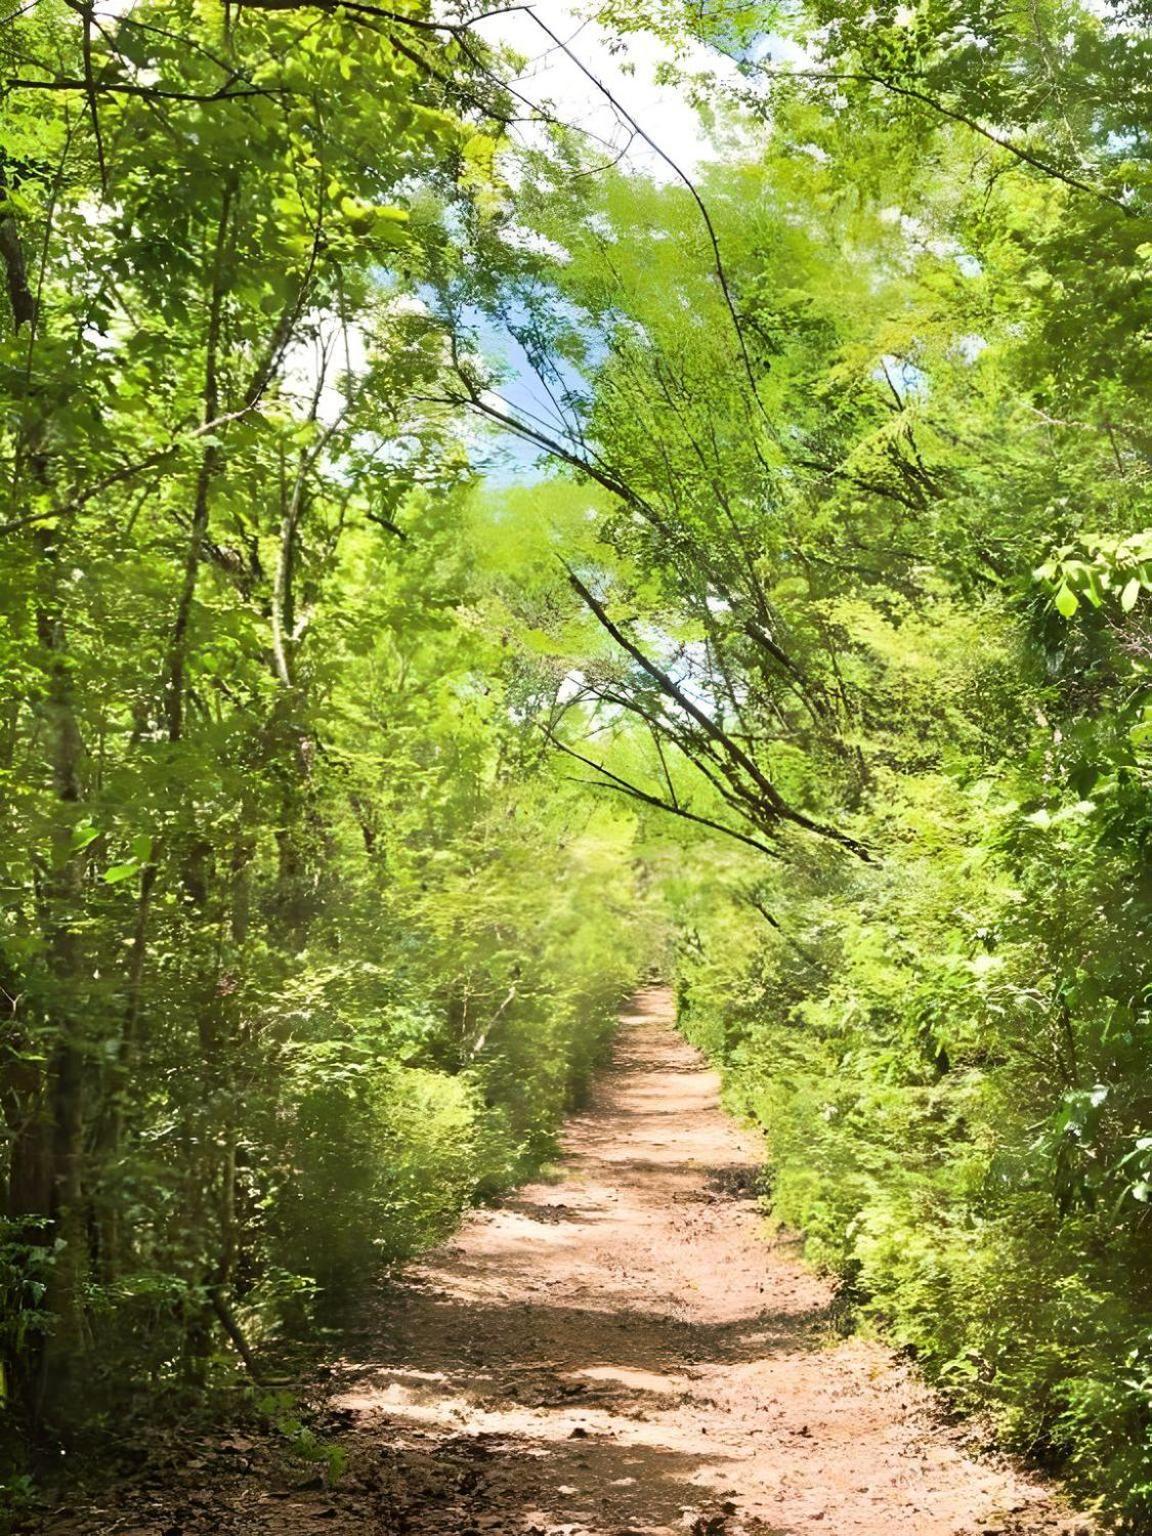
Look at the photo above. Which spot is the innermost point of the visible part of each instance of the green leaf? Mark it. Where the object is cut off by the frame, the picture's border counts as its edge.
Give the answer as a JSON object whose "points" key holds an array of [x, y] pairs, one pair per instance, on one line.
{"points": [[1130, 595], [1066, 601], [118, 872]]}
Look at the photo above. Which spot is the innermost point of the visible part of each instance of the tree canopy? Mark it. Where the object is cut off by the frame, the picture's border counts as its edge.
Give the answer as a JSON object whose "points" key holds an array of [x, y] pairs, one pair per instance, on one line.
{"points": [[449, 569]]}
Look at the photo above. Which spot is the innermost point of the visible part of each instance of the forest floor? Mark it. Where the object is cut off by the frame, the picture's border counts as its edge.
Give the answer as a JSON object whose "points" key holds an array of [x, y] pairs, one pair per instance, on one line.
{"points": [[618, 1350]]}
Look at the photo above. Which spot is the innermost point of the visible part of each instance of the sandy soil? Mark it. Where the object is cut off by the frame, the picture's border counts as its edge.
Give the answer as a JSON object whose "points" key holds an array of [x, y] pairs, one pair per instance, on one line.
{"points": [[621, 1351]]}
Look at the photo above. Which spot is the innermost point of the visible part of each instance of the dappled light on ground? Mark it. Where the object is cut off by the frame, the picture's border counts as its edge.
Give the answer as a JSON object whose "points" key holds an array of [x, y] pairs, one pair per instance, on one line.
{"points": [[625, 1349]]}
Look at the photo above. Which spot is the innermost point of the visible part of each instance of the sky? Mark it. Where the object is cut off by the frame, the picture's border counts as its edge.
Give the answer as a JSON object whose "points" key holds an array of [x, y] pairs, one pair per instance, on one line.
{"points": [[551, 76]]}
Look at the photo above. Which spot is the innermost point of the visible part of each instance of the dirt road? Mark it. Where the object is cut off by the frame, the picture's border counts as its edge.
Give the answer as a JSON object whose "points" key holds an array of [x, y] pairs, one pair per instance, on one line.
{"points": [[622, 1351]]}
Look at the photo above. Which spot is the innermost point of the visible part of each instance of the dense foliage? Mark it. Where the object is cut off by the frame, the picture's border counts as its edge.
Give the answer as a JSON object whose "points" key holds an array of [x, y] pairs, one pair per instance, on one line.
{"points": [[830, 591], [304, 945]]}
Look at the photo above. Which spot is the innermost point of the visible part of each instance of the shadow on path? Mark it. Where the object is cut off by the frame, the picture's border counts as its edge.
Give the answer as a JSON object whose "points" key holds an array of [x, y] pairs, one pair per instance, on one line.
{"points": [[621, 1351]]}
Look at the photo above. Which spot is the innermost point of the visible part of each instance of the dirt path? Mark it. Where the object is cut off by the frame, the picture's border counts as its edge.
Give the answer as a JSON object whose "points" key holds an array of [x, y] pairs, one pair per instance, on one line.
{"points": [[621, 1351]]}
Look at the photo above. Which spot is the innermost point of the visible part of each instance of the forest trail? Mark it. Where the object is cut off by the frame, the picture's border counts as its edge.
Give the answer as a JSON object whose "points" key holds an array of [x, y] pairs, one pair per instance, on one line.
{"points": [[621, 1351]]}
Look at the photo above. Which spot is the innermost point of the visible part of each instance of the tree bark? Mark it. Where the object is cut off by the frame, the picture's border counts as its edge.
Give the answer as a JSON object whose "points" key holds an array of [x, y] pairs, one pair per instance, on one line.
{"points": [[176, 662], [20, 295], [45, 1187]]}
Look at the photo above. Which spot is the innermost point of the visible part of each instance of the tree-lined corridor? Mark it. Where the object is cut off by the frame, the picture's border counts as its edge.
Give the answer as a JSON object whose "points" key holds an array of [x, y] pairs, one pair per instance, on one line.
{"points": [[498, 504]]}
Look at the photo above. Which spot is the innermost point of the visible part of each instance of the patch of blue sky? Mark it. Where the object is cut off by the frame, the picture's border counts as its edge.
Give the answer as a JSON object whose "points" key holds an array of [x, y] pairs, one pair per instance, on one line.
{"points": [[777, 51], [551, 401], [905, 375]]}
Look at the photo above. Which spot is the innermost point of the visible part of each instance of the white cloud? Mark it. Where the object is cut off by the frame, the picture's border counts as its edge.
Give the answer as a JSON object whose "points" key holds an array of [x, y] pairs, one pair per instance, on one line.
{"points": [[324, 353], [626, 67]]}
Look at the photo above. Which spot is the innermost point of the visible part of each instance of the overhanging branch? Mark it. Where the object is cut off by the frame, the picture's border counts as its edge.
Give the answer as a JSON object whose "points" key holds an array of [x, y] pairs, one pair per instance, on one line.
{"points": [[610, 780], [765, 806]]}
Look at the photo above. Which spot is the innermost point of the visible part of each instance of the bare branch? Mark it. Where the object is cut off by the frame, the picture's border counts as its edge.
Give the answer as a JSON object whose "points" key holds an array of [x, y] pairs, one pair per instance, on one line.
{"points": [[767, 803], [610, 780]]}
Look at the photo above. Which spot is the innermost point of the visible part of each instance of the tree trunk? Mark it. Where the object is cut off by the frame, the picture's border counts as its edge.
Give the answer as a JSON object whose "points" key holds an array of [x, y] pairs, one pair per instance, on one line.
{"points": [[45, 1188], [176, 661]]}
